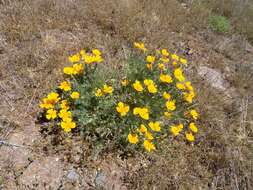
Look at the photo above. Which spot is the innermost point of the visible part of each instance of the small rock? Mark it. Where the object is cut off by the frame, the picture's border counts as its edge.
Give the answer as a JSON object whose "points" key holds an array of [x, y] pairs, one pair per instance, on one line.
{"points": [[100, 179], [72, 175], [110, 176], [213, 77], [184, 5]]}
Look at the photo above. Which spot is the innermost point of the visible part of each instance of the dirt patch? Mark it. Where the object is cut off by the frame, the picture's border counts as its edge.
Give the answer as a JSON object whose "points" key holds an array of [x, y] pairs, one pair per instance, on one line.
{"points": [[43, 173], [35, 40], [110, 176]]}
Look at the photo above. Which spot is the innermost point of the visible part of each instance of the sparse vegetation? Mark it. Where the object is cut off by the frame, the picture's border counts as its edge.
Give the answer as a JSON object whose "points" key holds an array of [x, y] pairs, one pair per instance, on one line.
{"points": [[36, 37], [239, 13], [219, 23]]}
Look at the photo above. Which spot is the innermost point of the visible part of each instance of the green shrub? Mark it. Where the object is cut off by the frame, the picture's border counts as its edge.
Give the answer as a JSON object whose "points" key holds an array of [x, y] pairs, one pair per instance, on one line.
{"points": [[151, 101], [219, 23]]}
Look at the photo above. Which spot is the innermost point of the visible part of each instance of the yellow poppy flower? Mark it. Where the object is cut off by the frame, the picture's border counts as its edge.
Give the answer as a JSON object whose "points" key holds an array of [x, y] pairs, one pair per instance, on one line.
{"points": [[74, 58], [133, 138], [180, 86], [155, 126], [149, 136], [161, 66], [193, 127], [96, 52], [166, 96], [82, 52], [88, 59], [165, 52], [140, 46], [136, 110], [52, 98], [167, 114], [164, 60], [194, 114], [148, 145], [174, 63], [183, 61], [51, 114], [175, 130], [67, 125], [165, 78], [189, 86], [77, 68], [180, 126], [189, 96], [46, 103], [175, 57], [64, 105], [98, 93], [68, 70], [75, 95], [124, 82], [64, 114], [107, 89], [189, 136], [148, 82], [98, 59], [179, 75], [122, 108], [65, 86], [142, 129], [171, 105], [150, 59], [149, 66], [142, 112], [137, 86], [152, 89]]}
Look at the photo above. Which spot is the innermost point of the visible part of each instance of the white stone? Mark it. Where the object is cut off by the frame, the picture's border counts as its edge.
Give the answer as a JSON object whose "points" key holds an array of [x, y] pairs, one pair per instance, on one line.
{"points": [[213, 77]]}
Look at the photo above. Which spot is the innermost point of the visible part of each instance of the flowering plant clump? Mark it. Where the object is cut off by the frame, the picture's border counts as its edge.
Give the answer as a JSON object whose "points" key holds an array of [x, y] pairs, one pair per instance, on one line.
{"points": [[150, 102]]}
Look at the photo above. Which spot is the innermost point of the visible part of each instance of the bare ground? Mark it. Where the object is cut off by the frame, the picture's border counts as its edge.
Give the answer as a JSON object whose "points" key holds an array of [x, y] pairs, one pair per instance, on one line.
{"points": [[35, 39]]}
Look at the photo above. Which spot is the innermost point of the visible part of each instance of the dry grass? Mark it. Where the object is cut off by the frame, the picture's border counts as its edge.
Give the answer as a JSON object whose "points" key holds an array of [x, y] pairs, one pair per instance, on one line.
{"points": [[240, 13], [36, 36]]}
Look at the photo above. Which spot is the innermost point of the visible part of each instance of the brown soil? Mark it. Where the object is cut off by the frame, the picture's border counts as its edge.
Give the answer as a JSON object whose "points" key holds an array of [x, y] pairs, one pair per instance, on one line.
{"points": [[36, 37]]}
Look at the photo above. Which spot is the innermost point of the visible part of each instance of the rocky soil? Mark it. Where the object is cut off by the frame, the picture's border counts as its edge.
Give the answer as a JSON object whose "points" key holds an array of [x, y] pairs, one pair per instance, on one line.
{"points": [[29, 160]]}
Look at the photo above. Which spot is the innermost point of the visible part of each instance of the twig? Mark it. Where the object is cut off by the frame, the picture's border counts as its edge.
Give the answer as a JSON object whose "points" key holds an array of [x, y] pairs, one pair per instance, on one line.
{"points": [[11, 144], [30, 102]]}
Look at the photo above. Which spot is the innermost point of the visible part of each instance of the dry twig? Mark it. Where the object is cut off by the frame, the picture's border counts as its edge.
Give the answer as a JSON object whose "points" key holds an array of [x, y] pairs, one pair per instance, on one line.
{"points": [[2, 142]]}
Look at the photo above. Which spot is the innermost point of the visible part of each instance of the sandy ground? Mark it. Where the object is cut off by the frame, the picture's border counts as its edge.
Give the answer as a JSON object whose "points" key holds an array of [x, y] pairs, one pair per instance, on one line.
{"points": [[36, 38]]}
